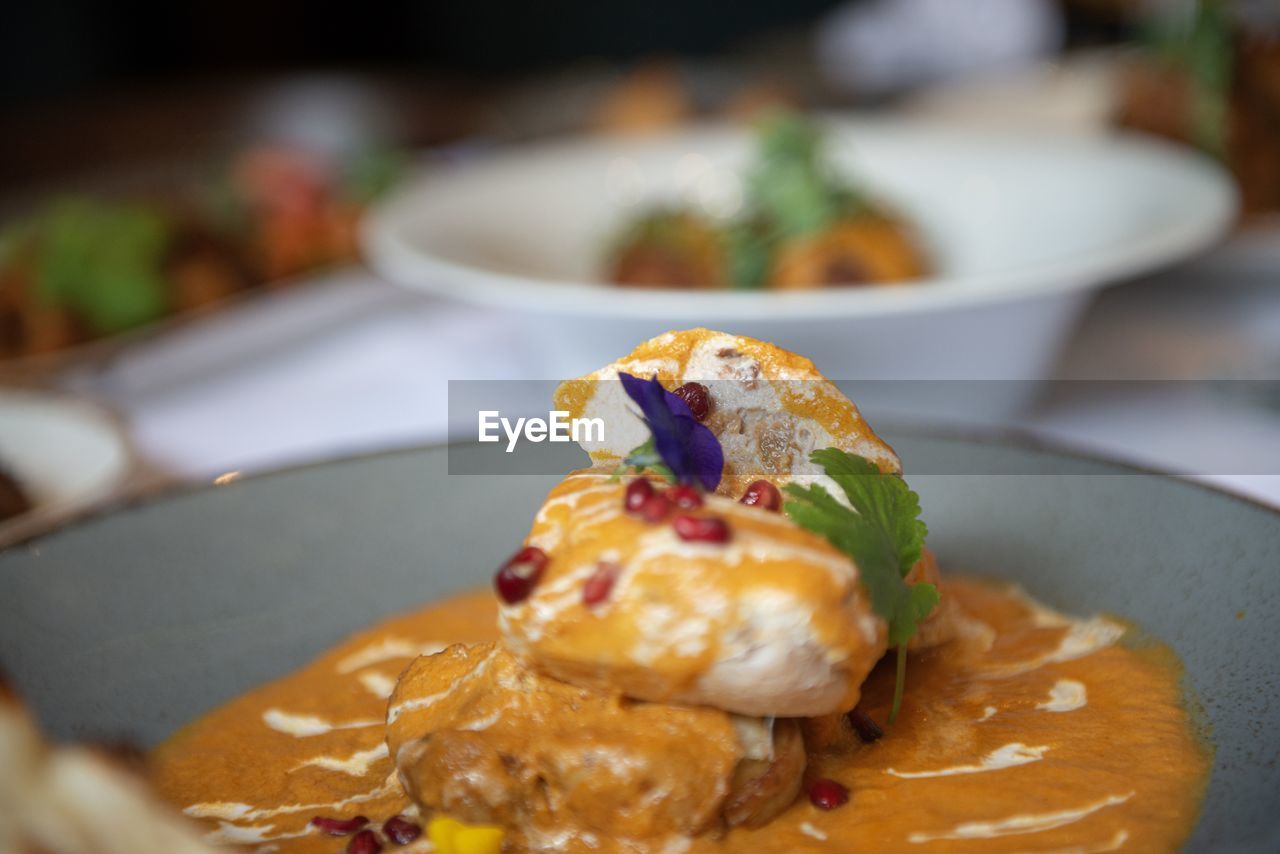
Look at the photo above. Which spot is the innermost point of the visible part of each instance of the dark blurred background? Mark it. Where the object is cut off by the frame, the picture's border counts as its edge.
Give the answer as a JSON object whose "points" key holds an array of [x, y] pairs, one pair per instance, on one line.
{"points": [[85, 82], [68, 48]]}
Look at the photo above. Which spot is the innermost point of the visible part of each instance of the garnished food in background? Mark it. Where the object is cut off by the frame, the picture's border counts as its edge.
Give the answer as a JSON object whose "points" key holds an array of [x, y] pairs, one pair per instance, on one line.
{"points": [[13, 500], [1209, 75], [801, 226], [689, 652], [671, 248], [84, 268], [293, 212]]}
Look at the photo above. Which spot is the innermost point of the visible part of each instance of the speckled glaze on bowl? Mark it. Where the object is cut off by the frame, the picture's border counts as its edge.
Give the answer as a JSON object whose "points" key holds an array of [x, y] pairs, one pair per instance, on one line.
{"points": [[130, 624]]}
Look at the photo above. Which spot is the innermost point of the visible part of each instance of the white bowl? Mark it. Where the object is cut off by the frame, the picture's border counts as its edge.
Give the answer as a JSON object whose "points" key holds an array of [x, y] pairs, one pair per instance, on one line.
{"points": [[65, 454], [1021, 225]]}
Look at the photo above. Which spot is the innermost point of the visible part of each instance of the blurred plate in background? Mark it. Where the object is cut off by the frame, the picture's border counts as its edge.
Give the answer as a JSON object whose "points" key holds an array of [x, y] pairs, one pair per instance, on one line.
{"points": [[1081, 94], [64, 455], [1022, 227]]}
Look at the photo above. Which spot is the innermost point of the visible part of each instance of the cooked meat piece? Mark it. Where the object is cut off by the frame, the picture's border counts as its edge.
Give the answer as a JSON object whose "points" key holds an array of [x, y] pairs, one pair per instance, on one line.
{"points": [[478, 736], [202, 269], [862, 250], [45, 327], [772, 622], [766, 786], [669, 249]]}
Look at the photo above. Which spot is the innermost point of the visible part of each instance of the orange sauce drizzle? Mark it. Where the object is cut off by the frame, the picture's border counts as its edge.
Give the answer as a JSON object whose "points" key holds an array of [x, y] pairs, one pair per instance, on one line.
{"points": [[1030, 733]]}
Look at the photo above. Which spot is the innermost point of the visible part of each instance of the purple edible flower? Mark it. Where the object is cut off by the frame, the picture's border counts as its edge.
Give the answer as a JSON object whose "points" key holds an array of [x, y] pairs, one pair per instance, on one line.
{"points": [[687, 447]]}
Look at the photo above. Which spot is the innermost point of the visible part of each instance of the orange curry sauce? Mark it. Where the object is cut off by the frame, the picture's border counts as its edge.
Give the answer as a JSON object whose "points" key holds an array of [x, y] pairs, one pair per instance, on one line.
{"points": [[1031, 732]]}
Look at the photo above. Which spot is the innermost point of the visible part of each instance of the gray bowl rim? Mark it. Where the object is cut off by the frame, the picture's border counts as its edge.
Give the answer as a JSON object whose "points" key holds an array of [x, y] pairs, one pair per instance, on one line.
{"points": [[1011, 438]]}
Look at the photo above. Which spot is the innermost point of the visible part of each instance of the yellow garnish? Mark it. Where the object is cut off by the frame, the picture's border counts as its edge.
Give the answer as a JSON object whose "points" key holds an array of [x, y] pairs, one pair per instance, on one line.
{"points": [[450, 836], [440, 831], [478, 840]]}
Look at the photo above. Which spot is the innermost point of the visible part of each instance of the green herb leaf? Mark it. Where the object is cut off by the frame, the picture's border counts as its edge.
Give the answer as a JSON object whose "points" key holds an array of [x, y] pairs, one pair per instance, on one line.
{"points": [[792, 185], [748, 250], [643, 458], [789, 185], [816, 510], [884, 498], [371, 173], [923, 598], [882, 534], [104, 262], [1197, 38]]}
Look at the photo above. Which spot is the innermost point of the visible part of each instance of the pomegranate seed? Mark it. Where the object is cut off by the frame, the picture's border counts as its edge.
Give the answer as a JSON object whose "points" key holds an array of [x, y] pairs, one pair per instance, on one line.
{"points": [[655, 508], [827, 794], [364, 842], [638, 492], [697, 397], [401, 831], [764, 494], [519, 575], [685, 497], [701, 529], [339, 826], [597, 588], [867, 729]]}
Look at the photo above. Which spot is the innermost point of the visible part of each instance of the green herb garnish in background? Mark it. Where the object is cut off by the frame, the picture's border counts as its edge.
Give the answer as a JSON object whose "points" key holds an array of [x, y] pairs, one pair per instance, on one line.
{"points": [[882, 534], [1198, 41], [792, 185], [748, 250], [791, 191], [662, 227], [371, 172], [102, 262]]}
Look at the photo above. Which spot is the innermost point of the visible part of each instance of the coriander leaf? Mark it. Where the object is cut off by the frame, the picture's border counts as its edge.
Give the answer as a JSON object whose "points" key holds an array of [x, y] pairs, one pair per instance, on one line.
{"points": [[883, 536], [859, 537], [885, 498]]}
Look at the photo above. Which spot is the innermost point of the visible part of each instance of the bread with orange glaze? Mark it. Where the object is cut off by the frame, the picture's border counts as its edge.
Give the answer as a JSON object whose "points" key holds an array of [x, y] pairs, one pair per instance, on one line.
{"points": [[769, 407]]}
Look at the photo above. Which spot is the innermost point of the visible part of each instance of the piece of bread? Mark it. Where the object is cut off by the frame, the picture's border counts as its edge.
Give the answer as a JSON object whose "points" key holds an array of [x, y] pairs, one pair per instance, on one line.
{"points": [[769, 408]]}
